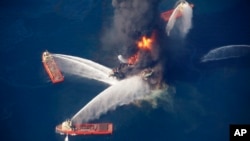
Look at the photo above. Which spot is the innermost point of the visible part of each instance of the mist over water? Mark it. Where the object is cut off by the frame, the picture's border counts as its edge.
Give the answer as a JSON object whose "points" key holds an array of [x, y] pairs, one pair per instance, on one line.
{"points": [[121, 93], [84, 68], [132, 20], [182, 23], [186, 19]]}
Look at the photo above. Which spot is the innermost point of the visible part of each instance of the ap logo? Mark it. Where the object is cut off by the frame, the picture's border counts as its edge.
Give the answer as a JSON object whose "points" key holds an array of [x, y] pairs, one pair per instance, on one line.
{"points": [[239, 132]]}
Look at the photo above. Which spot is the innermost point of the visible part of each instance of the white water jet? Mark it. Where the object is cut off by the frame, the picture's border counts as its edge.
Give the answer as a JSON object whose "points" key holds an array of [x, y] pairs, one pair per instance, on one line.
{"points": [[121, 59], [66, 138], [226, 52], [124, 92], [84, 68], [183, 13]]}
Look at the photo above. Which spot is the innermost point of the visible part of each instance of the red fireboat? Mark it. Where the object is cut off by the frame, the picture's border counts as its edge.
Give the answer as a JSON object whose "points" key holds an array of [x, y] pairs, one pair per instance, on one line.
{"points": [[166, 15], [51, 67], [84, 129]]}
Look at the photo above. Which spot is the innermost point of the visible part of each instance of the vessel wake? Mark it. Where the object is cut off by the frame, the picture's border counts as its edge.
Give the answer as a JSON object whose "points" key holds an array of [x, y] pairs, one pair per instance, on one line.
{"points": [[84, 68]]}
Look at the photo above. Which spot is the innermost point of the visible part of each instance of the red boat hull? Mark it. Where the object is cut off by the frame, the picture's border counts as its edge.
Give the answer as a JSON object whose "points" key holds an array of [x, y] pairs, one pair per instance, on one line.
{"points": [[166, 15], [51, 68], [87, 129]]}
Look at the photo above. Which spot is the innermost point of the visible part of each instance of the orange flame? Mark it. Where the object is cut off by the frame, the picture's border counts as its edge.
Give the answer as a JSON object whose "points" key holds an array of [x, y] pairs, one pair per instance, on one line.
{"points": [[145, 43], [133, 59]]}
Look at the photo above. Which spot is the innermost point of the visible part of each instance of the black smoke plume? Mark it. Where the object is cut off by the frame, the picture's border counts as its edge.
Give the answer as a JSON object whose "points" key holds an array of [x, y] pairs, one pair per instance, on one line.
{"points": [[132, 19], [136, 18]]}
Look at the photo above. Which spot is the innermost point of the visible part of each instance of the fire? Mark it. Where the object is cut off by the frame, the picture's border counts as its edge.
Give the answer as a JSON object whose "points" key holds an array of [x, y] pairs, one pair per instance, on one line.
{"points": [[145, 43], [133, 59]]}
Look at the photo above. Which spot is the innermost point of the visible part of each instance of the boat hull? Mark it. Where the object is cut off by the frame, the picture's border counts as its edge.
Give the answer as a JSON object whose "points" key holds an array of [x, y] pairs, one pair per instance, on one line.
{"points": [[51, 68], [87, 129], [166, 15]]}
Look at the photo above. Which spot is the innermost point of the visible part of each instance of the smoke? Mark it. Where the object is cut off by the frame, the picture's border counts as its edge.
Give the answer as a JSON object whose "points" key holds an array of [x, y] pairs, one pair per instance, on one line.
{"points": [[181, 19], [84, 68], [162, 98], [226, 52], [132, 19], [121, 93]]}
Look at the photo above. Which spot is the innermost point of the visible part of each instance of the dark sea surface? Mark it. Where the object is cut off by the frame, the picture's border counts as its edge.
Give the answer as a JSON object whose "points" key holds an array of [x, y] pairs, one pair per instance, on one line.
{"points": [[208, 97]]}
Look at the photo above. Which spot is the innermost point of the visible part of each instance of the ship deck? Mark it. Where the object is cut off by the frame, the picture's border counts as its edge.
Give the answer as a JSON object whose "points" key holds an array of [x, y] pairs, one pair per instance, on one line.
{"points": [[52, 68], [87, 129]]}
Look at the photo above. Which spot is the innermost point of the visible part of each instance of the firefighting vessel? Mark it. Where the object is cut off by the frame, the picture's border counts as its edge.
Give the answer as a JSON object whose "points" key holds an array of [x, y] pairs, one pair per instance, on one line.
{"points": [[51, 67], [84, 129], [166, 15]]}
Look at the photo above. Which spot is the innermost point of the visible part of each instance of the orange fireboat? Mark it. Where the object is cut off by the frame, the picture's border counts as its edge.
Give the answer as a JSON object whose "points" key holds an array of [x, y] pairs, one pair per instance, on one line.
{"points": [[166, 15], [51, 67], [84, 129]]}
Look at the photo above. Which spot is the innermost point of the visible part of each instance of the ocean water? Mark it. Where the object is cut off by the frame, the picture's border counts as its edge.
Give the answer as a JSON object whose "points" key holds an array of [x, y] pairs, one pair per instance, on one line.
{"points": [[208, 97]]}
